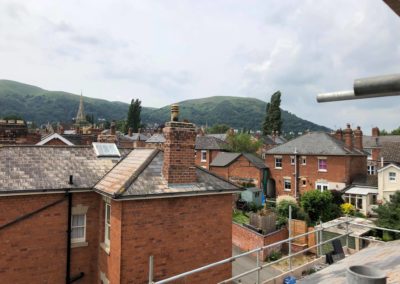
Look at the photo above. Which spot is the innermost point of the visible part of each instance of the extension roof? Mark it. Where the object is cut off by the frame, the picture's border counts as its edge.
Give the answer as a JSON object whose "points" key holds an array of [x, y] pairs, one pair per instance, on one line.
{"points": [[210, 143], [224, 159], [47, 168], [137, 137], [139, 175], [315, 143], [156, 138]]}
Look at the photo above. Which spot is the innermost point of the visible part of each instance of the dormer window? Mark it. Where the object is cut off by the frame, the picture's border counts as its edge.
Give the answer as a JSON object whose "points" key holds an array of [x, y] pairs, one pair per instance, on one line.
{"points": [[106, 150]]}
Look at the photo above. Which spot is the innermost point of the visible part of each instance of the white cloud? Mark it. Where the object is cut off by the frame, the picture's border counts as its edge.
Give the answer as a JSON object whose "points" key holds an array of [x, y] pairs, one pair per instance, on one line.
{"points": [[168, 51]]}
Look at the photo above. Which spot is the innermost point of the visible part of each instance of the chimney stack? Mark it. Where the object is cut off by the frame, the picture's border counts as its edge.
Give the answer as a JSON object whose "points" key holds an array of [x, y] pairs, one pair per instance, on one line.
{"points": [[180, 137], [112, 128], [348, 137], [339, 134], [358, 138], [375, 132], [130, 131]]}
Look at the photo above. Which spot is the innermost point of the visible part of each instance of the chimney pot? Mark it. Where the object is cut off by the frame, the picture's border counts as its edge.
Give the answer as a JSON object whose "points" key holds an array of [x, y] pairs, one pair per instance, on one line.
{"points": [[130, 131], [112, 128], [175, 112], [348, 137]]}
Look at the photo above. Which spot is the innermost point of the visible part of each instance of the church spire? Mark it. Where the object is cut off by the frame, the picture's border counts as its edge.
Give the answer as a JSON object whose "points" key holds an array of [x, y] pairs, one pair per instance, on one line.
{"points": [[80, 116]]}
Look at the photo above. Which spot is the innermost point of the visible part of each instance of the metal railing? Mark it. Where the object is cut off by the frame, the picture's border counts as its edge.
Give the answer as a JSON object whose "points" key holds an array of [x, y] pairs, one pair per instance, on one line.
{"points": [[260, 266]]}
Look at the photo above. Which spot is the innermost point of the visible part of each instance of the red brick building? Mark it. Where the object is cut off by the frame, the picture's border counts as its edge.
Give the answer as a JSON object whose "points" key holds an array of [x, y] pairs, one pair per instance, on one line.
{"points": [[316, 160], [97, 215], [240, 168], [207, 148]]}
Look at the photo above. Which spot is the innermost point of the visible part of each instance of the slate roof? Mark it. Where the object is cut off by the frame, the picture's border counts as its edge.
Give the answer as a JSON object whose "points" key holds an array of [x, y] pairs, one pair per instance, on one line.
{"points": [[269, 140], [315, 143], [147, 180], [223, 159], [390, 152], [47, 168], [371, 141], [220, 136], [156, 138], [137, 137], [209, 143]]}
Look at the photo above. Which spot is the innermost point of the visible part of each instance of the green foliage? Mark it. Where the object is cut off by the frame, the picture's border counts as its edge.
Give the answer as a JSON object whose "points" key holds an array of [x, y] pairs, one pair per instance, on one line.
{"points": [[218, 128], [358, 214], [254, 207], [282, 210], [120, 125], [90, 118], [240, 217], [273, 117], [42, 106], [319, 205], [389, 214], [274, 256], [243, 143], [13, 117], [133, 120], [248, 184], [383, 132]]}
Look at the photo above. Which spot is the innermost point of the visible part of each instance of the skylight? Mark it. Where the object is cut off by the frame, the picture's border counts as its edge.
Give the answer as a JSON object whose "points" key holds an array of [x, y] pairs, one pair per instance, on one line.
{"points": [[106, 150]]}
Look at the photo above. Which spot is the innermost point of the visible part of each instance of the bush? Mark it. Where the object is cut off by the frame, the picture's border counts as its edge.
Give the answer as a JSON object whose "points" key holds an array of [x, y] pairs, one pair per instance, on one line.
{"points": [[274, 255], [347, 208], [319, 205], [359, 214], [389, 216], [254, 207], [282, 210]]}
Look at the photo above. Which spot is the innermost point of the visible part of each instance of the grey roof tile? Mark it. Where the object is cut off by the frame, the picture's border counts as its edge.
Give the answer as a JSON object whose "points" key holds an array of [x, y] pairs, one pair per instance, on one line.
{"points": [[315, 143], [224, 159], [156, 138], [33, 168], [210, 143]]}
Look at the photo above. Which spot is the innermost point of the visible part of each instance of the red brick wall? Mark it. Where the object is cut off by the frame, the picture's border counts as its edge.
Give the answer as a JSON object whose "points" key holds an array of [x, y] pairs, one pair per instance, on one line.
{"points": [[339, 169], [181, 234], [35, 248], [246, 239], [211, 154]]}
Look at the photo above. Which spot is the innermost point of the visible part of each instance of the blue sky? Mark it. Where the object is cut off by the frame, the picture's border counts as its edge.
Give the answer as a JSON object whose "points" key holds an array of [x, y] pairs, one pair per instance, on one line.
{"points": [[167, 51]]}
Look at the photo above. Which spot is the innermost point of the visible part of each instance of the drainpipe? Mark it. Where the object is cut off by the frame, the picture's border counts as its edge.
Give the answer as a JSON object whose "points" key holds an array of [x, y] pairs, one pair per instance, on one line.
{"points": [[295, 173], [68, 264]]}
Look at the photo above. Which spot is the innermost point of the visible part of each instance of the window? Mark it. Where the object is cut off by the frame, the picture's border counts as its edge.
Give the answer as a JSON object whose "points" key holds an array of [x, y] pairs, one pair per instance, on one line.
{"points": [[322, 186], [278, 163], [303, 161], [287, 184], [203, 155], [373, 199], [256, 194], [322, 165], [292, 160], [106, 149], [369, 151], [107, 224], [359, 202], [371, 169], [78, 228], [303, 182], [392, 177]]}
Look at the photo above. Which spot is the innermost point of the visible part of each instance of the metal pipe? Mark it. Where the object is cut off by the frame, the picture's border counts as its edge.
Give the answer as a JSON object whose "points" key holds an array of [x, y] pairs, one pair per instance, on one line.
{"points": [[377, 85], [68, 264], [258, 266], [349, 95], [290, 234], [151, 269]]}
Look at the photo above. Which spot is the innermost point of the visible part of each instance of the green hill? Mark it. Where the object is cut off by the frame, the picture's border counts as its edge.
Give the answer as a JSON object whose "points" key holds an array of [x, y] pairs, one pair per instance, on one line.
{"points": [[42, 106]]}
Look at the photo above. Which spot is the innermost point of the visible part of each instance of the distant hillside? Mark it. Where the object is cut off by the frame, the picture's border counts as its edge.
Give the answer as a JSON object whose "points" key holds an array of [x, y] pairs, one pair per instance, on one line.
{"points": [[44, 106]]}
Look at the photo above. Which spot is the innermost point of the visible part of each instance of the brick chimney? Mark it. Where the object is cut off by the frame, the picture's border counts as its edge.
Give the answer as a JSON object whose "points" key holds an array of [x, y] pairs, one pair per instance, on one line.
{"points": [[339, 134], [179, 160], [358, 138], [348, 137], [375, 132], [112, 128], [130, 131]]}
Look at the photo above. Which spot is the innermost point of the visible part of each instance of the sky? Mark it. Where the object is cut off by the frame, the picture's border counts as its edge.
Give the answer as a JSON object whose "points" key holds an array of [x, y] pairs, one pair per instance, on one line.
{"points": [[169, 50]]}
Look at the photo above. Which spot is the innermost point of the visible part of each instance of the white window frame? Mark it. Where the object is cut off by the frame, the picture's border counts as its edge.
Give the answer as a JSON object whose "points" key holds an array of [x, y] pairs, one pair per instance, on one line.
{"points": [[370, 169], [203, 156], [322, 170], [392, 178], [322, 186], [107, 223], [83, 239], [303, 160], [284, 184], [292, 161], [276, 162]]}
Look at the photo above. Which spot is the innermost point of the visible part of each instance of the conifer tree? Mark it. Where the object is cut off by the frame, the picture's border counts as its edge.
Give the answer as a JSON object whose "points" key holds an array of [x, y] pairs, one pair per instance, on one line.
{"points": [[133, 120], [273, 119]]}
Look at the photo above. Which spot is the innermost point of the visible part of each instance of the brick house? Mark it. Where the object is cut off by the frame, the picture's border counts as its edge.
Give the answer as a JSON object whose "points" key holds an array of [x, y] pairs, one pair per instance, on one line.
{"points": [[207, 148], [382, 150], [120, 206], [240, 168], [316, 160]]}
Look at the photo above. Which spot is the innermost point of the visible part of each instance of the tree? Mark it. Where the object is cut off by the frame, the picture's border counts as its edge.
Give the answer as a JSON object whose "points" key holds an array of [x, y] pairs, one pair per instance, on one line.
{"points": [[319, 205], [243, 143], [273, 119], [218, 128], [133, 120], [389, 214]]}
